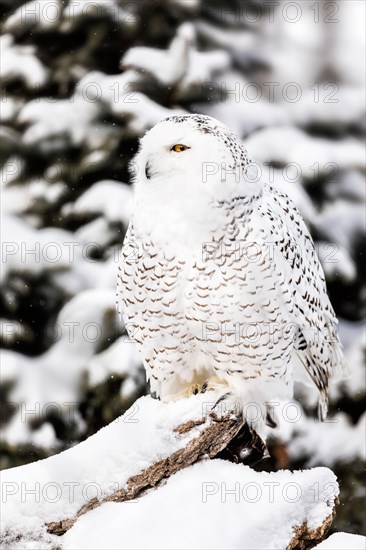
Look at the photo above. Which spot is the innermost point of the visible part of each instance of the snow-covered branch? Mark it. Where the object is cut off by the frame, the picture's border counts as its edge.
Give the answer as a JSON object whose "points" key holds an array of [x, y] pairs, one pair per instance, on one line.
{"points": [[47, 502], [151, 441]]}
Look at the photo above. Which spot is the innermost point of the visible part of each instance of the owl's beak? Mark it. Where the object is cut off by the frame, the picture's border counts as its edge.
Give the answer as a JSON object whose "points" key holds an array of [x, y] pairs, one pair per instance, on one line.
{"points": [[147, 171]]}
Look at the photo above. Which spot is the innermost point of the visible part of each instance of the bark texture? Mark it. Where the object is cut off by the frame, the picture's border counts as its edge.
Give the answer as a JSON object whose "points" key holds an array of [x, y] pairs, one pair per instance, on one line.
{"points": [[305, 538]]}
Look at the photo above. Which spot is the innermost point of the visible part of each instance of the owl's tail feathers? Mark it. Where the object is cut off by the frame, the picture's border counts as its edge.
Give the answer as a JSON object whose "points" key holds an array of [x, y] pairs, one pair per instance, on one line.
{"points": [[340, 369], [323, 405], [338, 372]]}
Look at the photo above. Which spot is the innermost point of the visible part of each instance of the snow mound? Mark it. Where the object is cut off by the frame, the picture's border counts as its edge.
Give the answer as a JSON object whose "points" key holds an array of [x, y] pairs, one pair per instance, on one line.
{"points": [[221, 505], [342, 541]]}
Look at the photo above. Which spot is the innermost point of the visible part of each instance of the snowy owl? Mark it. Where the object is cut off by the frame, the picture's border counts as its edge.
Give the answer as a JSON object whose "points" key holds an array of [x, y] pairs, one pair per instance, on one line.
{"points": [[219, 283]]}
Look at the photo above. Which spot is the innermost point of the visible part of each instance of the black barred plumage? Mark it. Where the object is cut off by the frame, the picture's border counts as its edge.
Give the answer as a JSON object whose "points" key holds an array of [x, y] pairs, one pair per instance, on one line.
{"points": [[226, 282]]}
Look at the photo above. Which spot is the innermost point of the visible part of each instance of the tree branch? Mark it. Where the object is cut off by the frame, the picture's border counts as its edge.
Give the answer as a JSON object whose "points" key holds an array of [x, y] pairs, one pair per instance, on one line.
{"points": [[138, 451], [217, 433]]}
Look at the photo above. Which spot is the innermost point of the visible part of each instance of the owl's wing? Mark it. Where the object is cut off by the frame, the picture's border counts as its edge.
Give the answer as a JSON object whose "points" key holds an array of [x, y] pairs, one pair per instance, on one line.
{"points": [[125, 268], [317, 346]]}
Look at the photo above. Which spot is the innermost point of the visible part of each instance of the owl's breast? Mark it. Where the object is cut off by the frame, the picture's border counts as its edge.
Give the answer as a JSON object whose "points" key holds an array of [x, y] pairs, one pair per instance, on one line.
{"points": [[152, 291]]}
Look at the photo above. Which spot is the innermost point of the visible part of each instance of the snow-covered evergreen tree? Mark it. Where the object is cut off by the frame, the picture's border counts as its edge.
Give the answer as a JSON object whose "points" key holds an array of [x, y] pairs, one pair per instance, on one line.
{"points": [[82, 81]]}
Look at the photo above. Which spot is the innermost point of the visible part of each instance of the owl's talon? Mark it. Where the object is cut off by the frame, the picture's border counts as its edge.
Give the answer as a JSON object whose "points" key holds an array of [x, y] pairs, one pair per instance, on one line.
{"points": [[221, 399], [213, 384], [194, 389], [204, 387]]}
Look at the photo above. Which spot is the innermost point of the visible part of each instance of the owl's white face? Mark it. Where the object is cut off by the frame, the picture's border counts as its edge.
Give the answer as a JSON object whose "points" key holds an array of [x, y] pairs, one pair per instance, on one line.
{"points": [[172, 150], [184, 164], [194, 147]]}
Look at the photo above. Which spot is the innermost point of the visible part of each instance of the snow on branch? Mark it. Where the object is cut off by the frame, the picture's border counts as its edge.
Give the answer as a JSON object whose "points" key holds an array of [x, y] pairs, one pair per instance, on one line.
{"points": [[151, 441], [44, 502]]}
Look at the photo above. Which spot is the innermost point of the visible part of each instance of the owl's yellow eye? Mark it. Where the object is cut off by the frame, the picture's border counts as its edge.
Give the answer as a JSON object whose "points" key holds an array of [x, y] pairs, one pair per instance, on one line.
{"points": [[179, 148]]}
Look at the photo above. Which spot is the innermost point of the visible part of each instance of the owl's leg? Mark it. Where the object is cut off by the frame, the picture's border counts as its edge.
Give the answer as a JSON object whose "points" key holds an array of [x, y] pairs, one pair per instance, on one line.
{"points": [[193, 389], [224, 398], [211, 384]]}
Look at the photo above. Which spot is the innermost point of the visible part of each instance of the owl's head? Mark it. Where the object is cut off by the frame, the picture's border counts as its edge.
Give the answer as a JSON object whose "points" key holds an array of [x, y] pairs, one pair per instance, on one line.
{"points": [[191, 148]]}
